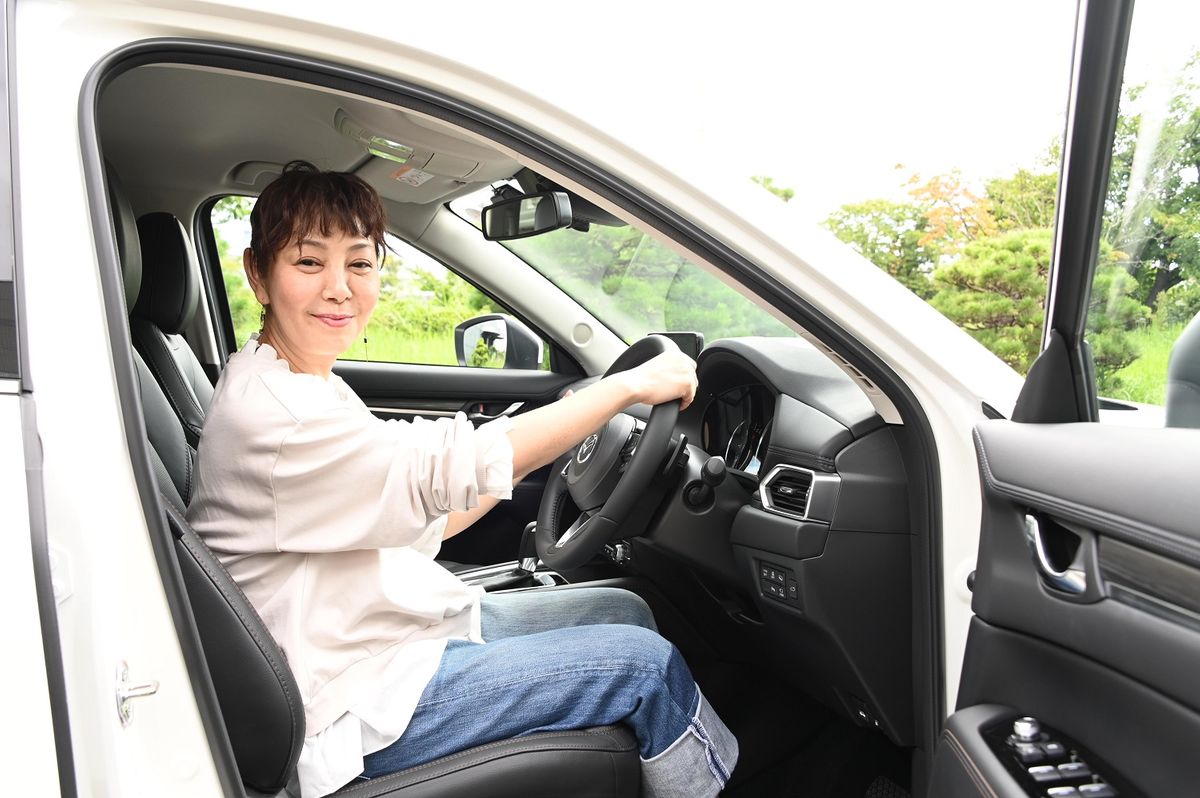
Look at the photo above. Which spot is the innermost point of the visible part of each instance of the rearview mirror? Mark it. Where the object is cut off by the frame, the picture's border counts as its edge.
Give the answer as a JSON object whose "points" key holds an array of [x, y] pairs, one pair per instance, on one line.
{"points": [[527, 215]]}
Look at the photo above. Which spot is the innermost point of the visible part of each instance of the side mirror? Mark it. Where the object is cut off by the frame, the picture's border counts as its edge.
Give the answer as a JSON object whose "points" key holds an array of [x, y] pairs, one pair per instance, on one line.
{"points": [[527, 215], [497, 341]]}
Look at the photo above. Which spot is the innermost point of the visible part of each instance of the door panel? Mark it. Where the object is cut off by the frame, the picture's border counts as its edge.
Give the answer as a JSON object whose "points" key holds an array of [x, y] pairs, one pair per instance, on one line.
{"points": [[1109, 658], [403, 391]]}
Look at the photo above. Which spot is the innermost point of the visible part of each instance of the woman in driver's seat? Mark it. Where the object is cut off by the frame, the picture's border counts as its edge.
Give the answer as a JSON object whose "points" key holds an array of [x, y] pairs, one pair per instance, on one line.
{"points": [[329, 519]]}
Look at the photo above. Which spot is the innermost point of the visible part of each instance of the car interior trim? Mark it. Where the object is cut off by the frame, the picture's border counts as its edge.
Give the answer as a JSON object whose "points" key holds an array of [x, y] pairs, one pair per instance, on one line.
{"points": [[1102, 37], [928, 682], [820, 484], [1093, 497]]}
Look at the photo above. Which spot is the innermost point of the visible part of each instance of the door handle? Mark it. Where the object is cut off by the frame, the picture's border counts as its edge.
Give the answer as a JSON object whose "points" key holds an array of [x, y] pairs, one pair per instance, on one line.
{"points": [[1071, 579], [479, 416]]}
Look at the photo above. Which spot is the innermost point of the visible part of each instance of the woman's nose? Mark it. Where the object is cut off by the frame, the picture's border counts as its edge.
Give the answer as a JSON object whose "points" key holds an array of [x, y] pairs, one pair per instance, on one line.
{"points": [[336, 286]]}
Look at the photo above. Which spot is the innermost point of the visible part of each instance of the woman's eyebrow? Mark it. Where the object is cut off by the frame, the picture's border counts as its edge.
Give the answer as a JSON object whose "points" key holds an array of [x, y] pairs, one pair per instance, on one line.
{"points": [[312, 242]]}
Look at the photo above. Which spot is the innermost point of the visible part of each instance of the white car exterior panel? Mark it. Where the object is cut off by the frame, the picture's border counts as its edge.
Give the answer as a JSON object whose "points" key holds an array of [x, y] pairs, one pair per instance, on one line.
{"points": [[28, 736], [94, 516]]}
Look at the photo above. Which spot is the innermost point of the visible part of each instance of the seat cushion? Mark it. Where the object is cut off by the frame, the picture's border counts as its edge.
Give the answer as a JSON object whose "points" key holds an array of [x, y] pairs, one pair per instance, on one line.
{"points": [[590, 763]]}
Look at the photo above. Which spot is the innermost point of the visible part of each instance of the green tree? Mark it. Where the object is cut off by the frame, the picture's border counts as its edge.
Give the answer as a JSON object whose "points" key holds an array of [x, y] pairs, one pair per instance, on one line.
{"points": [[996, 291], [1025, 201], [893, 236], [768, 183], [1152, 212]]}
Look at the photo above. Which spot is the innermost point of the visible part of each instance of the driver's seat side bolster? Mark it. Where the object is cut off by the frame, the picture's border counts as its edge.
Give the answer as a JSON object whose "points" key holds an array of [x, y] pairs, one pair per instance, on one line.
{"points": [[264, 716], [589, 763]]}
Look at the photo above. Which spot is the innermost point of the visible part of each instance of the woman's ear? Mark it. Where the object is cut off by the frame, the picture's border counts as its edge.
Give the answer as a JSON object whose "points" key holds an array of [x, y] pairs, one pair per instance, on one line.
{"points": [[260, 290]]}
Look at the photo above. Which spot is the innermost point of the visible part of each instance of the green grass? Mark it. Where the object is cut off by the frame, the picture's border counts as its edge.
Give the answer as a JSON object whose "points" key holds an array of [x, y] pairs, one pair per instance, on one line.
{"points": [[389, 346], [1145, 379]]}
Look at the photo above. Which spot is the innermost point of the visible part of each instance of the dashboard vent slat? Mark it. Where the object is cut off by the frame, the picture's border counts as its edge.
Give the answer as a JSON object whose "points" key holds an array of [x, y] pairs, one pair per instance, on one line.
{"points": [[787, 491]]}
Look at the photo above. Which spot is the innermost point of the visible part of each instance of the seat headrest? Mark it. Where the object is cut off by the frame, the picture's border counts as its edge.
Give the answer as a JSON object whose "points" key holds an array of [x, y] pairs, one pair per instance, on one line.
{"points": [[1183, 378], [125, 224], [170, 274]]}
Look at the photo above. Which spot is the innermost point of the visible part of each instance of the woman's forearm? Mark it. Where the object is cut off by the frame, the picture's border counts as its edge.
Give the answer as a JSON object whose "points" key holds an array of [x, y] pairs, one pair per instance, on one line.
{"points": [[541, 435]]}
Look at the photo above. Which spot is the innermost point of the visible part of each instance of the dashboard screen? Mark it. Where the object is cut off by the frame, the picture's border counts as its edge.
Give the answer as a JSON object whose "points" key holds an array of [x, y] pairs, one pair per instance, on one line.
{"points": [[737, 425]]}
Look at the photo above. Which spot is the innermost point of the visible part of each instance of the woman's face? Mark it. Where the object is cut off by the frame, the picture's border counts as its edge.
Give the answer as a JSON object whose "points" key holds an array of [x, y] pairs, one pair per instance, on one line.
{"points": [[319, 295]]}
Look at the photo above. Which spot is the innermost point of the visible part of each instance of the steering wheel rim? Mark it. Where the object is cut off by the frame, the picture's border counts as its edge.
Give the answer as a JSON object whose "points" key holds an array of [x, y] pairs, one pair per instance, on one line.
{"points": [[591, 530]]}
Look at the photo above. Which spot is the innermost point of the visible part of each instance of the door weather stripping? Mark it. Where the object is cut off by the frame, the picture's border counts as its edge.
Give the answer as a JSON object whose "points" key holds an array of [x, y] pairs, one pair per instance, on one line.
{"points": [[1069, 580]]}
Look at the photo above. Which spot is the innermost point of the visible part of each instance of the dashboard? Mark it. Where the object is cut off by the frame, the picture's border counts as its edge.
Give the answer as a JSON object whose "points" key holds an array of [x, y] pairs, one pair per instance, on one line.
{"points": [[805, 546], [737, 425]]}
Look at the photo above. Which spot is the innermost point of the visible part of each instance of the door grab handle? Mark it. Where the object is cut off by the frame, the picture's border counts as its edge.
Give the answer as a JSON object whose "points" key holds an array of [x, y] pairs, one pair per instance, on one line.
{"points": [[1069, 580], [481, 416]]}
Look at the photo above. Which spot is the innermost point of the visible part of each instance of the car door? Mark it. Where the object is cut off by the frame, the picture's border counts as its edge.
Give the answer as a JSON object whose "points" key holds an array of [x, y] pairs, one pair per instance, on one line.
{"points": [[1080, 671]]}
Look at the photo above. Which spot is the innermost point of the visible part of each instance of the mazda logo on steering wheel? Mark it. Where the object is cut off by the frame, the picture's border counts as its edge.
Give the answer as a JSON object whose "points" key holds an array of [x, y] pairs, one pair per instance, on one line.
{"points": [[587, 447]]}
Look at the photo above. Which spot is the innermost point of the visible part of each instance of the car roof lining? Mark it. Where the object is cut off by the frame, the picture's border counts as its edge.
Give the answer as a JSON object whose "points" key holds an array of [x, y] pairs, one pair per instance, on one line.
{"points": [[241, 112]]}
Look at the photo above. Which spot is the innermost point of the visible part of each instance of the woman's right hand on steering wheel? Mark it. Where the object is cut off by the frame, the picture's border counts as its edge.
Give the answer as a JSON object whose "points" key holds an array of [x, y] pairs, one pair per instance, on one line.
{"points": [[667, 376]]}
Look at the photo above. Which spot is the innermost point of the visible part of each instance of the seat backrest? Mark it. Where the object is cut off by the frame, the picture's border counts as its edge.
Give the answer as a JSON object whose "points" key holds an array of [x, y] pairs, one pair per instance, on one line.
{"points": [[258, 695], [166, 302], [1183, 378]]}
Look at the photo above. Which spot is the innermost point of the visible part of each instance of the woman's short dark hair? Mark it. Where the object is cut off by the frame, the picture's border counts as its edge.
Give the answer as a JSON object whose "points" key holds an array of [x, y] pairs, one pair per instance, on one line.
{"points": [[305, 199]]}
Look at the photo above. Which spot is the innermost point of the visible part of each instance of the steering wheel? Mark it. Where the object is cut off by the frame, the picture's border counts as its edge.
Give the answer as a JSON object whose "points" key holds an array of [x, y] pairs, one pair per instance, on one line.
{"points": [[593, 478]]}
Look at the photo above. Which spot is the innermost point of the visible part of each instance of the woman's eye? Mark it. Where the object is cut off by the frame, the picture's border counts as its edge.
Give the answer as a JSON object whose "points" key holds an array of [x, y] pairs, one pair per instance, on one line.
{"points": [[362, 265], [308, 263]]}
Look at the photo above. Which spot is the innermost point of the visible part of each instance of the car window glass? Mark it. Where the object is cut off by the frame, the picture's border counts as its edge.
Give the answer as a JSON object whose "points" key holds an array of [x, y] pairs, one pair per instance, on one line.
{"points": [[632, 283], [1146, 287], [420, 301]]}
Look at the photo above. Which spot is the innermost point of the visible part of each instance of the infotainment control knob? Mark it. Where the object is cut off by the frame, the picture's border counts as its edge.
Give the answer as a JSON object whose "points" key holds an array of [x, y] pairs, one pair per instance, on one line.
{"points": [[1027, 729]]}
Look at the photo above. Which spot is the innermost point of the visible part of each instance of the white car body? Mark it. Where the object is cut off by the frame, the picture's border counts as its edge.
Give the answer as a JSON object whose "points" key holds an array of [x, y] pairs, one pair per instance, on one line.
{"points": [[93, 518]]}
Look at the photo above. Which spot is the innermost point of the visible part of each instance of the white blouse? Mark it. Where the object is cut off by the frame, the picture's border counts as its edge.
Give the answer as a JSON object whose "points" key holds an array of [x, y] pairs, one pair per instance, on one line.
{"points": [[329, 520]]}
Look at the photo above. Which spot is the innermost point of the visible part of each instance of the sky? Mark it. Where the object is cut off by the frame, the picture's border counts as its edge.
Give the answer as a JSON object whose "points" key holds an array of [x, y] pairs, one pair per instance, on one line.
{"points": [[840, 101]]}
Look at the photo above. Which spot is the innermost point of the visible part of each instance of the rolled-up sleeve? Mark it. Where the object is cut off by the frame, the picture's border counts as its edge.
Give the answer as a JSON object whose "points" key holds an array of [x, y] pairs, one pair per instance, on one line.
{"points": [[346, 480]]}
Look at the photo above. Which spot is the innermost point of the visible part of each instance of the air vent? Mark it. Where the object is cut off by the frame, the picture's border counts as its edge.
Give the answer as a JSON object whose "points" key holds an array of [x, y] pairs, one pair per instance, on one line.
{"points": [[785, 490]]}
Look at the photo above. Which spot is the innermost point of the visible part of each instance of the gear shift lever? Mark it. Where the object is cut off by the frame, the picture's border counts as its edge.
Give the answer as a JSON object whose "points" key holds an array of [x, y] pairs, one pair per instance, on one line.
{"points": [[527, 559]]}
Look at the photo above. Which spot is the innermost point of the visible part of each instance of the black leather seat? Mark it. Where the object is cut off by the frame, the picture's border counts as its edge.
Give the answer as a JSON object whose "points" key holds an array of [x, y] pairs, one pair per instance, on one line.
{"points": [[1183, 378], [166, 303], [259, 699]]}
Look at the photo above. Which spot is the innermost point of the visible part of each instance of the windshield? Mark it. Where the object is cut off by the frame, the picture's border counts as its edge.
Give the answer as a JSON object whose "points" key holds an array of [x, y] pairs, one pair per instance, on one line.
{"points": [[632, 283]]}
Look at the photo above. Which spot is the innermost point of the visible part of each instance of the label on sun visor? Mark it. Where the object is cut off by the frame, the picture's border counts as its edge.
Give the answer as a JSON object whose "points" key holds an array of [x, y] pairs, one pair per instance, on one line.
{"points": [[410, 175]]}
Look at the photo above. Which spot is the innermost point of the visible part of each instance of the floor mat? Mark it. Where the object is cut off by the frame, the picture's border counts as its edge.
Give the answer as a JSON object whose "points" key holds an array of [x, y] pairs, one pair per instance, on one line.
{"points": [[841, 761]]}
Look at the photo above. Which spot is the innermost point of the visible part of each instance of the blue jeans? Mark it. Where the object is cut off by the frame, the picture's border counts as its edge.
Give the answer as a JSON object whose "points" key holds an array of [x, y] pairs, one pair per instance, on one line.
{"points": [[569, 659]]}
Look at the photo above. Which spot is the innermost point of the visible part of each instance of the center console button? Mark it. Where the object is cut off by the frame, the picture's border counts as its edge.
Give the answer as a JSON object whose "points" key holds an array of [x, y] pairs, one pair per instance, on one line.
{"points": [[1054, 750], [1029, 753], [1074, 770], [1027, 729], [1045, 773]]}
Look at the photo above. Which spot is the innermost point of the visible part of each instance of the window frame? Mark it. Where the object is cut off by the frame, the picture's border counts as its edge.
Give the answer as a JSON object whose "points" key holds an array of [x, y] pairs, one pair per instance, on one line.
{"points": [[217, 306]]}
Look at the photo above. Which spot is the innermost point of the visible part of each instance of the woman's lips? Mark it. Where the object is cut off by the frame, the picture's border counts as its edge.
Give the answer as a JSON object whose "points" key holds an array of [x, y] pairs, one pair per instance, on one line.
{"points": [[333, 320]]}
